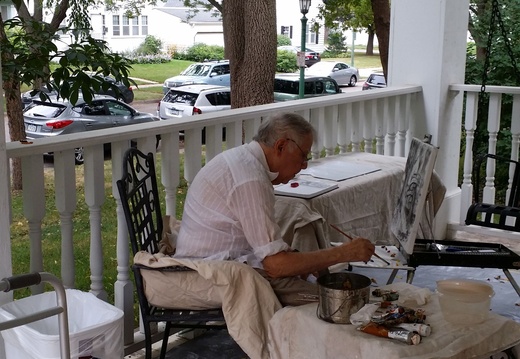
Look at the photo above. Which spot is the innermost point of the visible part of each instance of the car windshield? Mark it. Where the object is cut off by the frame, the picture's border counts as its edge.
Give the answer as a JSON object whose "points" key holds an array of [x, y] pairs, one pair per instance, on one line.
{"points": [[293, 87], [377, 80], [286, 86], [197, 70], [174, 96], [42, 110]]}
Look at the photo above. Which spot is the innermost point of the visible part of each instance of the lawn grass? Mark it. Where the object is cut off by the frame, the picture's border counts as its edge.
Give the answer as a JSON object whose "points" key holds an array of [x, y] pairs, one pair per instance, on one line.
{"points": [[51, 231]]}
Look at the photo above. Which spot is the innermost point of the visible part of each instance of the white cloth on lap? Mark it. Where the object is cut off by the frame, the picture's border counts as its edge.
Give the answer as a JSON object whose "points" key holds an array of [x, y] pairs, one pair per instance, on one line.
{"points": [[247, 299]]}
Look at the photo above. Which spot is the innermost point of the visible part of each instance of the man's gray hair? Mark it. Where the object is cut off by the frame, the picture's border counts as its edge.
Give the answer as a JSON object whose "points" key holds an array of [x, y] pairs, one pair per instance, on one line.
{"points": [[283, 125]]}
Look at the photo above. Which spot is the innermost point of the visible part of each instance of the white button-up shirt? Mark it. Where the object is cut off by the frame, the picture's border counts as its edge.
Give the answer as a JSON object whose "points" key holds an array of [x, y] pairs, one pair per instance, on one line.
{"points": [[229, 210]]}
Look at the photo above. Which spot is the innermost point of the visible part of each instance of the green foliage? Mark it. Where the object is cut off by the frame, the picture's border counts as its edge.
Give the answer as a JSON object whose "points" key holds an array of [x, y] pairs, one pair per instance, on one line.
{"points": [[150, 46], [29, 45], [336, 43], [200, 52], [501, 71], [286, 61], [347, 14], [282, 40]]}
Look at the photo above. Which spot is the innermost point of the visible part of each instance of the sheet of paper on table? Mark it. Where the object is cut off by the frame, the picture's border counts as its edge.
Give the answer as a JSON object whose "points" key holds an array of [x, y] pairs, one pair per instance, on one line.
{"points": [[304, 188], [339, 170]]}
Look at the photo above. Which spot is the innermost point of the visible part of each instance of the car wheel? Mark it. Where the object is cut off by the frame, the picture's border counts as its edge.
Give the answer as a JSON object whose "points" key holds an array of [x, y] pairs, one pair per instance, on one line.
{"points": [[353, 81], [78, 156]]}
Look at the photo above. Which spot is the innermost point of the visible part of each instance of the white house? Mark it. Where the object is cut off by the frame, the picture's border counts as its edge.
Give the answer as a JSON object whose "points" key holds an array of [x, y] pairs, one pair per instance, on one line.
{"points": [[180, 27]]}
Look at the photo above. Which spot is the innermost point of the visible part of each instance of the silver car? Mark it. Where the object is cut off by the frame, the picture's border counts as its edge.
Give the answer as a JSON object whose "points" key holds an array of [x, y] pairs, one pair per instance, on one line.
{"points": [[209, 72], [345, 75], [60, 117]]}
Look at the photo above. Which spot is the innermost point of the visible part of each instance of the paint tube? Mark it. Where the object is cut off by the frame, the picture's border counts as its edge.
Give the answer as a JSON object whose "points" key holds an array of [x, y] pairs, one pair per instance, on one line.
{"points": [[399, 334], [422, 329]]}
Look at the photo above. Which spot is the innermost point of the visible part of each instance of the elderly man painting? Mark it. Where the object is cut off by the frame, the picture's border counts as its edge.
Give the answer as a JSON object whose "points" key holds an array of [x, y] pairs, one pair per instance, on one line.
{"points": [[229, 210]]}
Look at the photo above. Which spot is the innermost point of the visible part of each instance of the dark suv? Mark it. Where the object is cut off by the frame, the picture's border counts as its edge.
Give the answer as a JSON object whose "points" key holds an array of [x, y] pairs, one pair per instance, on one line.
{"points": [[374, 81], [287, 87], [125, 93]]}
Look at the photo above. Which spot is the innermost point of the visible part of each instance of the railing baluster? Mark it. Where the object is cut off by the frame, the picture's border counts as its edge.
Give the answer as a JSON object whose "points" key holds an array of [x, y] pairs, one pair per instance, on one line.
{"points": [[170, 169], [34, 210], [470, 123], [493, 125], [65, 189], [95, 197]]}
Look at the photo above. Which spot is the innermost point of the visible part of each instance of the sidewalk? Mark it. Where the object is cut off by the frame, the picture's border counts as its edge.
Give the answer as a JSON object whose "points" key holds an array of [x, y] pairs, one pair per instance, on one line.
{"points": [[364, 73]]}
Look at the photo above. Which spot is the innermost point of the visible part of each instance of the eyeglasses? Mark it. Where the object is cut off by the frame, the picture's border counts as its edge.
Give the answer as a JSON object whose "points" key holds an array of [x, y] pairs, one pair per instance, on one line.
{"points": [[305, 156]]}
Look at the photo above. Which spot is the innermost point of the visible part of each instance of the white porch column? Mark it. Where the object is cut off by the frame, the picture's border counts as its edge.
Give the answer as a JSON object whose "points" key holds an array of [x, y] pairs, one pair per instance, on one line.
{"points": [[428, 47], [6, 268]]}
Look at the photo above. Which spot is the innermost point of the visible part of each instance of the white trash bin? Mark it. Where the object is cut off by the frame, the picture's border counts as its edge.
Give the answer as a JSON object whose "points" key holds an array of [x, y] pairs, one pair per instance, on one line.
{"points": [[95, 328]]}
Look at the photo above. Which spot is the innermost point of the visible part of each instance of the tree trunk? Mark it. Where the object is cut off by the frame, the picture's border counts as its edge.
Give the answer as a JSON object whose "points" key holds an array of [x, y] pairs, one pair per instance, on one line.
{"points": [[13, 104], [381, 10], [370, 42], [252, 57]]}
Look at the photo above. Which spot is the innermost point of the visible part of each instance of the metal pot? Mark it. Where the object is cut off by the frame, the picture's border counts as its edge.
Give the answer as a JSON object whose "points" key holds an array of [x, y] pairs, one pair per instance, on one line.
{"points": [[340, 295]]}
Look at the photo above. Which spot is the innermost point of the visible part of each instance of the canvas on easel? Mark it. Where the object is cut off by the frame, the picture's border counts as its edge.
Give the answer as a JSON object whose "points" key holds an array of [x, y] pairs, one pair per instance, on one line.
{"points": [[410, 204]]}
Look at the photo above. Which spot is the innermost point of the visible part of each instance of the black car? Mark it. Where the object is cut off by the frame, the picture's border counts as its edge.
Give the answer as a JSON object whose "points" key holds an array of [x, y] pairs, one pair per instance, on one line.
{"points": [[376, 80], [287, 87], [311, 56], [126, 94]]}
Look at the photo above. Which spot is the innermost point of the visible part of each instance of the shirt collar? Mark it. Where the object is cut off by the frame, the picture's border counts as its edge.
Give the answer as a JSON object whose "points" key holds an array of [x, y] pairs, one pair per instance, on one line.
{"points": [[258, 152]]}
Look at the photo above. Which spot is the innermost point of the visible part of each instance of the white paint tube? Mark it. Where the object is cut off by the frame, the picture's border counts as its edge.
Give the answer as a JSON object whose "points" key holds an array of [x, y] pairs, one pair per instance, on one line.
{"points": [[422, 329]]}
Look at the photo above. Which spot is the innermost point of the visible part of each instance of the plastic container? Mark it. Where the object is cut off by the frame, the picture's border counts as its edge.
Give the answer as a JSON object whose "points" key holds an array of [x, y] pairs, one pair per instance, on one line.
{"points": [[340, 295], [464, 301], [95, 327]]}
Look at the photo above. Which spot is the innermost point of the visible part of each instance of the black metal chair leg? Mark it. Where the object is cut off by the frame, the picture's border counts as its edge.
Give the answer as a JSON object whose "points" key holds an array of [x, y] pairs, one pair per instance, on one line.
{"points": [[147, 340], [166, 336], [512, 281]]}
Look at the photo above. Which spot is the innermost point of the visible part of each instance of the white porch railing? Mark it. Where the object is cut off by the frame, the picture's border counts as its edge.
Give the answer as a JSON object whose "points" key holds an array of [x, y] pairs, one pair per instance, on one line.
{"points": [[497, 98], [379, 121]]}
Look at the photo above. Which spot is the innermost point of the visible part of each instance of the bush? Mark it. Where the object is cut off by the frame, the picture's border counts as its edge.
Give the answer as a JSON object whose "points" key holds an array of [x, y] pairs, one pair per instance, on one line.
{"points": [[148, 59], [283, 40], [200, 52], [286, 61], [150, 46], [335, 44], [176, 52]]}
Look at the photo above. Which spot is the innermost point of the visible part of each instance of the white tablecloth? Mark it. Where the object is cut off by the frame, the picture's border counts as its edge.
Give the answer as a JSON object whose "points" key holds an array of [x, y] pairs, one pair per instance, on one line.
{"points": [[361, 206], [297, 333]]}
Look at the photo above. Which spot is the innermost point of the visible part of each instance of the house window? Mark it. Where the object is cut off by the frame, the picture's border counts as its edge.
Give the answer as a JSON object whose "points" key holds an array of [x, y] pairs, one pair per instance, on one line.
{"points": [[312, 37], [4, 10], [287, 31], [144, 25], [116, 31], [126, 25], [135, 26]]}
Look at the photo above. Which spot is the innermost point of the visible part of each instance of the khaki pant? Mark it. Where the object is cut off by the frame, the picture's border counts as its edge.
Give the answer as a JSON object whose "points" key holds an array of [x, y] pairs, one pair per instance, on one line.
{"points": [[292, 291]]}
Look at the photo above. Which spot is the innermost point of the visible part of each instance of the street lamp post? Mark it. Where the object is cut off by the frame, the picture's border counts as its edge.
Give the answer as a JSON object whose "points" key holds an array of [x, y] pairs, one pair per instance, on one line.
{"points": [[304, 9]]}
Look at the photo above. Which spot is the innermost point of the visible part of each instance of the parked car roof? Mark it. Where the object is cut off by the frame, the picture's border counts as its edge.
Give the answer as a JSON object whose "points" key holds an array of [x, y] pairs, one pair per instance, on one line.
{"points": [[287, 86], [345, 75]]}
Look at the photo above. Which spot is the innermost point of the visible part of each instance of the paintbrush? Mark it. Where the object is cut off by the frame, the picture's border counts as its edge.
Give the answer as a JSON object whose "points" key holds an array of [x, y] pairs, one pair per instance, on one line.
{"points": [[350, 237]]}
